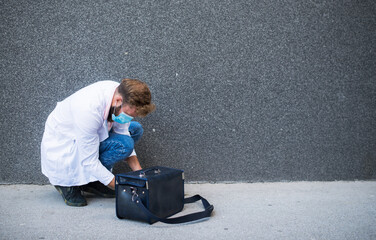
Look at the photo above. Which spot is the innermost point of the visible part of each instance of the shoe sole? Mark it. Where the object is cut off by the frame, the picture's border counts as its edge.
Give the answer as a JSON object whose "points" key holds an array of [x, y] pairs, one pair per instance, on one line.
{"points": [[70, 203], [96, 192]]}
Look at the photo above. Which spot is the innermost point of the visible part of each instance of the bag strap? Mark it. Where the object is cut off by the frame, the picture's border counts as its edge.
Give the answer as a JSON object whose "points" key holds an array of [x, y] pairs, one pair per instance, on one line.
{"points": [[183, 219]]}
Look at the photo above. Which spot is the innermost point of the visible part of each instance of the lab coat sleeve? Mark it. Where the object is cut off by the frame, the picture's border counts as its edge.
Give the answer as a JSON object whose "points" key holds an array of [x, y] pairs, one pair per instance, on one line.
{"points": [[87, 122]]}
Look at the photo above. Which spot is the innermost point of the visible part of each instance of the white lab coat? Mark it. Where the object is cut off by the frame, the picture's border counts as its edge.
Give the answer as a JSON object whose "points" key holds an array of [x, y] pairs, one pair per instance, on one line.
{"points": [[73, 131]]}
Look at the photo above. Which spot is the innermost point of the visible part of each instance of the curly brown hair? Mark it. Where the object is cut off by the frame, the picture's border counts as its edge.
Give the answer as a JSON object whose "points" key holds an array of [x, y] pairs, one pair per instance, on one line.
{"points": [[136, 93]]}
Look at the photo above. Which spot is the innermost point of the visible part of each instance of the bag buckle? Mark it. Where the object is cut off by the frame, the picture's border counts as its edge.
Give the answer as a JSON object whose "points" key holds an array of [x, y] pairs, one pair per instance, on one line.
{"points": [[134, 193]]}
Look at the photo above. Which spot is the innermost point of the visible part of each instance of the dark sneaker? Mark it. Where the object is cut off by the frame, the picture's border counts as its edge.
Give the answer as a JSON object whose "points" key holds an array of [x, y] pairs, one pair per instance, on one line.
{"points": [[99, 189], [72, 196]]}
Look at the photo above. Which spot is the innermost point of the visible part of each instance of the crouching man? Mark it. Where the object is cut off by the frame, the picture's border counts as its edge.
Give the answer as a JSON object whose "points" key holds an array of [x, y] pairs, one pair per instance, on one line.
{"points": [[88, 132]]}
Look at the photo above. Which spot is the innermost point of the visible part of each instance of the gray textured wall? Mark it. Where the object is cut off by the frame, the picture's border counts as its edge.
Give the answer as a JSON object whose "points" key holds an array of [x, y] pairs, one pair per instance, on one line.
{"points": [[245, 90]]}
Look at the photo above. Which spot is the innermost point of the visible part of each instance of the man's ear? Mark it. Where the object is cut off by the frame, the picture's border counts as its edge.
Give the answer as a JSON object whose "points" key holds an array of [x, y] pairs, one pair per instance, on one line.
{"points": [[118, 100]]}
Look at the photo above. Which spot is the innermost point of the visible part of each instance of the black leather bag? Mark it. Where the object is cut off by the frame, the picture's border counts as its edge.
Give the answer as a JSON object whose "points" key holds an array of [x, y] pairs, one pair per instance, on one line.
{"points": [[154, 194]]}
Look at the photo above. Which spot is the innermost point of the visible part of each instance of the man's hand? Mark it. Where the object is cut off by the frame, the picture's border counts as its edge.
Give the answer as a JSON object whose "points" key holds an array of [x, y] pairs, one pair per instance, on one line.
{"points": [[133, 163]]}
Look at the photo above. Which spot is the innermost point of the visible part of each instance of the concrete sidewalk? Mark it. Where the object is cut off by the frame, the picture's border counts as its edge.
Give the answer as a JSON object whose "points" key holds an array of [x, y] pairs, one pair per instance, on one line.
{"points": [[294, 210]]}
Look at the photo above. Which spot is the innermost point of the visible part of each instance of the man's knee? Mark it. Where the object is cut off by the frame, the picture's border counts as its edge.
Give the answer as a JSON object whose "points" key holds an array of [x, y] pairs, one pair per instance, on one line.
{"points": [[136, 128], [136, 131]]}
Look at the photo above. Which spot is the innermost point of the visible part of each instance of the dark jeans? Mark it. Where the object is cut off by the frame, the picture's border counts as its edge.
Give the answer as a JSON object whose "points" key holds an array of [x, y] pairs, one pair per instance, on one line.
{"points": [[118, 147]]}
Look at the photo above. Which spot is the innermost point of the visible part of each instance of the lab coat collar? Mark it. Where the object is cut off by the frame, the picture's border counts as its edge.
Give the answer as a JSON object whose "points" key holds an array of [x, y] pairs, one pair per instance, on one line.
{"points": [[109, 102]]}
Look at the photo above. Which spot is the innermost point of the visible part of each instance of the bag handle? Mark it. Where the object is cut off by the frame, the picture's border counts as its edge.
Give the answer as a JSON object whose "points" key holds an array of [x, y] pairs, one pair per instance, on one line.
{"points": [[155, 169], [183, 219]]}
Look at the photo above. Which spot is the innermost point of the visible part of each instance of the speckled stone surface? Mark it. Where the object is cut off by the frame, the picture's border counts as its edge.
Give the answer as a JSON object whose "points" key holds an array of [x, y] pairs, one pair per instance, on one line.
{"points": [[245, 90]]}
